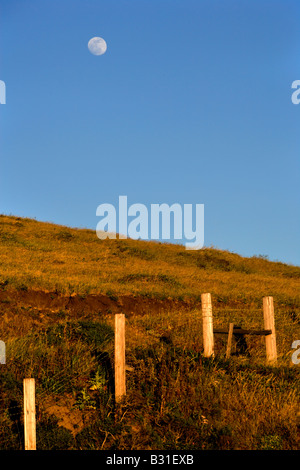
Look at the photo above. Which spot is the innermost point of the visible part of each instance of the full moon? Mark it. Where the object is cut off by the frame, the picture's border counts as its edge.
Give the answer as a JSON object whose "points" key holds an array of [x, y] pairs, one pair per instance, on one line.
{"points": [[97, 46]]}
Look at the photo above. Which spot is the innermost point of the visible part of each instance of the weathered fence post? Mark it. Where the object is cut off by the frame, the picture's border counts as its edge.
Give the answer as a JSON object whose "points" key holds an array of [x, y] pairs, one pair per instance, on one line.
{"points": [[229, 341], [29, 414], [208, 332], [120, 374], [2, 352], [269, 322]]}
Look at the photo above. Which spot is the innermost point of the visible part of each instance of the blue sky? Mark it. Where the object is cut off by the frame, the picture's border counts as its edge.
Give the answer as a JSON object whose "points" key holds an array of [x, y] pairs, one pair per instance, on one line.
{"points": [[191, 103]]}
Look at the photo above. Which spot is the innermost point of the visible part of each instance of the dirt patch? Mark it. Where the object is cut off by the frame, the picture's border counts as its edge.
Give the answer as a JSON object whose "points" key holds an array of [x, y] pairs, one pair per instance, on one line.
{"points": [[63, 409], [90, 304]]}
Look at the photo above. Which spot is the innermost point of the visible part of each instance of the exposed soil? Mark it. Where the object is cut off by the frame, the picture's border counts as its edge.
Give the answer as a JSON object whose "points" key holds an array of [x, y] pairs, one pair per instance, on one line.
{"points": [[89, 304], [68, 416]]}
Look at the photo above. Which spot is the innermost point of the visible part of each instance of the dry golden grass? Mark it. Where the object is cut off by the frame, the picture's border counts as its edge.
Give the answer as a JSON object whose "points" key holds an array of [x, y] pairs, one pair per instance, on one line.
{"points": [[42, 256], [176, 398], [50, 257]]}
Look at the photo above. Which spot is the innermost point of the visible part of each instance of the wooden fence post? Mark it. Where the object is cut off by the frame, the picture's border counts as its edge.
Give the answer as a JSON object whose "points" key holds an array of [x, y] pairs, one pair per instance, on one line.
{"points": [[269, 322], [208, 332], [2, 352], [229, 341], [120, 374], [29, 414]]}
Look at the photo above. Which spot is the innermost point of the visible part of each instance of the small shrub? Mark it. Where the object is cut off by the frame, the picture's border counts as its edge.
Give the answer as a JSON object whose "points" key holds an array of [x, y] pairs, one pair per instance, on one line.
{"points": [[272, 442], [84, 401], [112, 295], [64, 235]]}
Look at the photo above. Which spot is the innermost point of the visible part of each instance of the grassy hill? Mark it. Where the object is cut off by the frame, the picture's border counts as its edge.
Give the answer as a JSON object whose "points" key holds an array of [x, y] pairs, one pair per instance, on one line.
{"points": [[59, 290], [45, 256]]}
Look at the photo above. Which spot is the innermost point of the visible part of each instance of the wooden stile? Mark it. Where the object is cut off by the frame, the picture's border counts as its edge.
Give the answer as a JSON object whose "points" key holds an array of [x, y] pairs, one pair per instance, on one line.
{"points": [[29, 414], [229, 340]]}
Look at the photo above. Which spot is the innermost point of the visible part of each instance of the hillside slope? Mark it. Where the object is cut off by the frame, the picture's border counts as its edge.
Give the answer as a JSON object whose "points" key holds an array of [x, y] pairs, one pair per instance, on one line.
{"points": [[59, 291], [43, 256]]}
